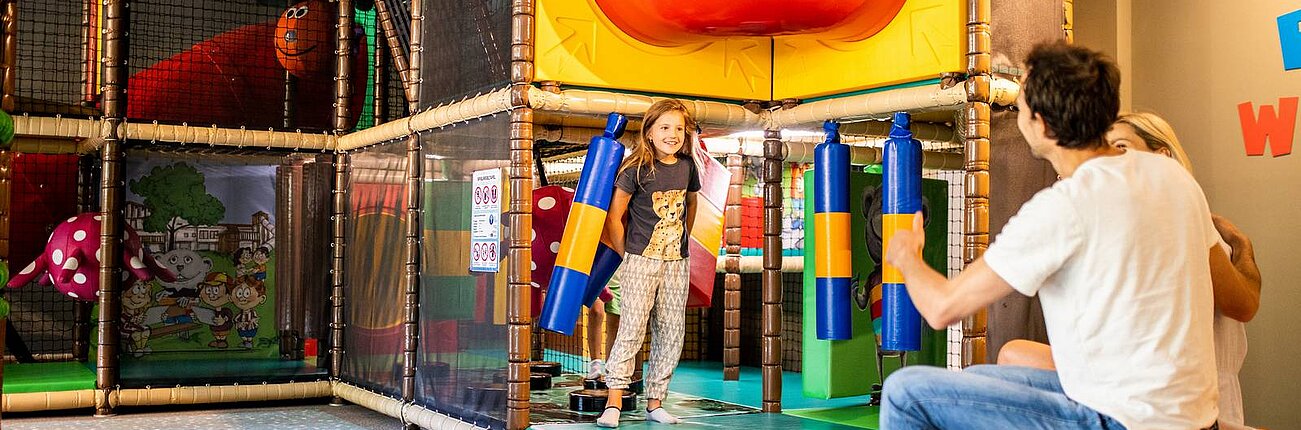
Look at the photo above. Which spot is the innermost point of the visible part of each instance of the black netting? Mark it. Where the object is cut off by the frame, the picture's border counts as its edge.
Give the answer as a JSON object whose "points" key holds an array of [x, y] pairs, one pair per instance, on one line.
{"points": [[42, 193], [53, 47], [462, 365], [373, 244], [466, 49], [233, 63]]}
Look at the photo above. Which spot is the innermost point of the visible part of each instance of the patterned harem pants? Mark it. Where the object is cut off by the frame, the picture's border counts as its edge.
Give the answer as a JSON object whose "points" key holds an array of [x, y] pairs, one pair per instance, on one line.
{"points": [[653, 291]]}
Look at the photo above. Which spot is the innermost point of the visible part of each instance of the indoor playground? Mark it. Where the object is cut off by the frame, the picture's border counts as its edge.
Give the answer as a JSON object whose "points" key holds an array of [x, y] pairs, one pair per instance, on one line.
{"points": [[397, 204]]}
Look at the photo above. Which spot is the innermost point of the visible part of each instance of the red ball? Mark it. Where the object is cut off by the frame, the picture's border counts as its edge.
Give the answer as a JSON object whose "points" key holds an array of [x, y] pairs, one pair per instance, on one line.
{"points": [[303, 38]]}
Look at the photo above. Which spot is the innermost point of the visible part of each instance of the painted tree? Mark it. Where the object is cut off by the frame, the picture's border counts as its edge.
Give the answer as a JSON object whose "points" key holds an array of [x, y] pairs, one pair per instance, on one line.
{"points": [[177, 198]]}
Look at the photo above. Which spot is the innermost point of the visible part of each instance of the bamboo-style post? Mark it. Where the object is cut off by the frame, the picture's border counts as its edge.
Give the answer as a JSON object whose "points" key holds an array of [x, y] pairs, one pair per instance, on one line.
{"points": [[338, 226], [87, 186], [772, 275], [89, 50], [520, 216], [342, 94], [110, 200], [342, 67], [732, 265], [291, 93], [394, 43], [1068, 20], [415, 178], [380, 89], [975, 208], [9, 56]]}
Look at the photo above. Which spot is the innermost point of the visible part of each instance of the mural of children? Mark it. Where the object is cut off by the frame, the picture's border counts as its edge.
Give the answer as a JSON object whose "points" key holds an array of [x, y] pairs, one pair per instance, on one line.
{"points": [[260, 258], [215, 292], [247, 295], [135, 332], [244, 265]]}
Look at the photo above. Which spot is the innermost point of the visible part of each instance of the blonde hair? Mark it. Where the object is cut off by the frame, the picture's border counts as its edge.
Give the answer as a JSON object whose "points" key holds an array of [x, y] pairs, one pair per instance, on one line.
{"points": [[1157, 133], [642, 152]]}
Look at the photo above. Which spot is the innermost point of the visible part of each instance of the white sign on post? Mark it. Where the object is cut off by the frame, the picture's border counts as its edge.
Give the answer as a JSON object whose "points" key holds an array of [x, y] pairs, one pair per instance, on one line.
{"points": [[485, 220]]}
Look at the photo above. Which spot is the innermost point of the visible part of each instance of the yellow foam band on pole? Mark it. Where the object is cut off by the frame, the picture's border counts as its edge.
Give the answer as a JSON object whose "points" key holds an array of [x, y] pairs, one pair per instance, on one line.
{"points": [[891, 223], [574, 254], [834, 259], [708, 227]]}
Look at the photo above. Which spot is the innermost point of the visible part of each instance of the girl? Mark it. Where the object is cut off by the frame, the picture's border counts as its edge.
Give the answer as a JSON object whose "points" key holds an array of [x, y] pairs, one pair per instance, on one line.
{"points": [[1234, 307], [656, 189]]}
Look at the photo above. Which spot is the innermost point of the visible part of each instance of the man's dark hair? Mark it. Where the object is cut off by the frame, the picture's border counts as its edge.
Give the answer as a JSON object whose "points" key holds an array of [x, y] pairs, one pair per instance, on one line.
{"points": [[1075, 90]]}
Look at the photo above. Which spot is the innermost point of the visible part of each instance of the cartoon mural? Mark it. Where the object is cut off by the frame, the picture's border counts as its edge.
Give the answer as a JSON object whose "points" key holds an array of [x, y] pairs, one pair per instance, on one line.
{"points": [[211, 224]]}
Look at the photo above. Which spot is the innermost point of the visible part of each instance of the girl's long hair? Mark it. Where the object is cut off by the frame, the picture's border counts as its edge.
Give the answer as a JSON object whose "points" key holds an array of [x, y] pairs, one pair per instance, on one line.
{"points": [[642, 154], [1158, 134]]}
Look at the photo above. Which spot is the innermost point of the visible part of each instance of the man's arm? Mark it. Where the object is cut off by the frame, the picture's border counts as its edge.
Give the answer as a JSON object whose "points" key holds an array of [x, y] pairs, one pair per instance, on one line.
{"points": [[941, 301]]}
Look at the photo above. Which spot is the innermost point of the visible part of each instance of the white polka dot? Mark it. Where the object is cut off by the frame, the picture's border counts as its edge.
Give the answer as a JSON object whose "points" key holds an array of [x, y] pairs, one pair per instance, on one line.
{"points": [[79, 278], [546, 203], [99, 255], [136, 264], [535, 235], [96, 293], [58, 256], [555, 247], [72, 219], [99, 218], [30, 267], [535, 285], [534, 265], [72, 294], [72, 264], [79, 235]]}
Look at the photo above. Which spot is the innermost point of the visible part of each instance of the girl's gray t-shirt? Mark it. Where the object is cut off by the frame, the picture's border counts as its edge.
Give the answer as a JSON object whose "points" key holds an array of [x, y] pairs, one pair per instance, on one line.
{"points": [[657, 211]]}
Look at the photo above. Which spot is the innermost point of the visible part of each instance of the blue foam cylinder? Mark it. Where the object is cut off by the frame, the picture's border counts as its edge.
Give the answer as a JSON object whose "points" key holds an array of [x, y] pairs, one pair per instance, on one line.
{"points": [[603, 267], [569, 285], [899, 333], [834, 320], [902, 194]]}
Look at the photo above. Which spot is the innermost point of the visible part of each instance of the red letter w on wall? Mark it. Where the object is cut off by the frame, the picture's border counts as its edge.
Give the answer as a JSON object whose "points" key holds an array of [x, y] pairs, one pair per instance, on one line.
{"points": [[1276, 127]]}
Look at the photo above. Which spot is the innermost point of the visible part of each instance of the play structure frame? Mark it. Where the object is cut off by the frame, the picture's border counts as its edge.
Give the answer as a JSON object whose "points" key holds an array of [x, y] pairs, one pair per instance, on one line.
{"points": [[537, 111]]}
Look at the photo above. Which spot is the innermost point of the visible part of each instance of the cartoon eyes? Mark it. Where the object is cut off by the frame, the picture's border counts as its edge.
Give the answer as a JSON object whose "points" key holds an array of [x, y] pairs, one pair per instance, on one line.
{"points": [[296, 12]]}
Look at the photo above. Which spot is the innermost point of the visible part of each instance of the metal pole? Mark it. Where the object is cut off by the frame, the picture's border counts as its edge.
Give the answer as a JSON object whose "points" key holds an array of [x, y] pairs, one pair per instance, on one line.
{"points": [[732, 264], [975, 208], [520, 216], [110, 198], [772, 275], [342, 95]]}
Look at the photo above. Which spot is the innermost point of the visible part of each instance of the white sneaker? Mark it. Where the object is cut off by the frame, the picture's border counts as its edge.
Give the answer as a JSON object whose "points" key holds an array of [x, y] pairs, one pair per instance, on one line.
{"points": [[595, 369]]}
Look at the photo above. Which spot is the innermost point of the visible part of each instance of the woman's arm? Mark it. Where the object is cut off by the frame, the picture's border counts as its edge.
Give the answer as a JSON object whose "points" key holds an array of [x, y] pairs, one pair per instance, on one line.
{"points": [[614, 220], [1235, 281]]}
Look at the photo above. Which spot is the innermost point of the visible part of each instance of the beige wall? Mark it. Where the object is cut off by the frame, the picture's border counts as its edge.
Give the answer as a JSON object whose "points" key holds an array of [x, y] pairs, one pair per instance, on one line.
{"points": [[1193, 61]]}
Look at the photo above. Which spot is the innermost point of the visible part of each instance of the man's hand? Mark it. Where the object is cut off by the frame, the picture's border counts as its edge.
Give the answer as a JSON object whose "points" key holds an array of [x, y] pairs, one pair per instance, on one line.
{"points": [[1232, 236], [906, 245]]}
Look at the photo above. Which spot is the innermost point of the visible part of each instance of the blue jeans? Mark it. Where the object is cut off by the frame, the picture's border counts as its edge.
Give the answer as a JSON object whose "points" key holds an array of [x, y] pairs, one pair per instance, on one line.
{"points": [[983, 397]]}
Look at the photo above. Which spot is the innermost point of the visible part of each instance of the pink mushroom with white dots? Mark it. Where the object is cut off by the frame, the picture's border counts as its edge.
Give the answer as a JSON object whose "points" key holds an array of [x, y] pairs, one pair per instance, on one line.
{"points": [[71, 259]]}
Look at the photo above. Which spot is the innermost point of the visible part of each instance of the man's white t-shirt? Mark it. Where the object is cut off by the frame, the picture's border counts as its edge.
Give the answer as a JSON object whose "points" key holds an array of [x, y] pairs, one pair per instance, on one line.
{"points": [[1118, 254]]}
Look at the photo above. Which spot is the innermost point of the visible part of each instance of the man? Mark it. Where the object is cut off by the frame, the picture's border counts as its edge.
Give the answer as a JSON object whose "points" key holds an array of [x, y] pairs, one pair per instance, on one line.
{"points": [[1121, 271]]}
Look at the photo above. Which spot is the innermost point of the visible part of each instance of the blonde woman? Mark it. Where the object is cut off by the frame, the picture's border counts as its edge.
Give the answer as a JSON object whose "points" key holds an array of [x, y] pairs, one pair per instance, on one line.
{"points": [[1236, 303]]}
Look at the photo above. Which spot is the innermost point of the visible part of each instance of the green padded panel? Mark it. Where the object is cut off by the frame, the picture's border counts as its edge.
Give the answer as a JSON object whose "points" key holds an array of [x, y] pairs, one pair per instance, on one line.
{"points": [[47, 377], [867, 417]]}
